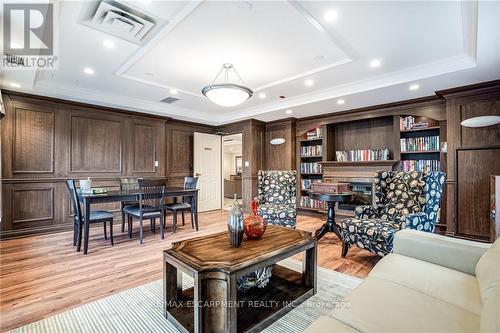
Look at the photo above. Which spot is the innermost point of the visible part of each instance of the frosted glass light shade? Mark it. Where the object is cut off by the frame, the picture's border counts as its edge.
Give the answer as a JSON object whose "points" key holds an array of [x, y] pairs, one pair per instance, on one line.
{"points": [[481, 121], [227, 94], [277, 141]]}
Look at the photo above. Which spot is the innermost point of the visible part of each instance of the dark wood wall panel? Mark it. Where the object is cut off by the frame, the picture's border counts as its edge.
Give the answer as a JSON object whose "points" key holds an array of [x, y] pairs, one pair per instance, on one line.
{"points": [[33, 150], [144, 154], [361, 134], [96, 145], [45, 141], [482, 136], [280, 157], [32, 204], [473, 155], [474, 170]]}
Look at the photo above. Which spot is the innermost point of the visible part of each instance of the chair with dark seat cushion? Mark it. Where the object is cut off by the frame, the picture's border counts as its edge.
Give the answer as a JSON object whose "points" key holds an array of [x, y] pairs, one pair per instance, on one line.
{"points": [[277, 197], [402, 200], [189, 183], [127, 184], [151, 198], [96, 216]]}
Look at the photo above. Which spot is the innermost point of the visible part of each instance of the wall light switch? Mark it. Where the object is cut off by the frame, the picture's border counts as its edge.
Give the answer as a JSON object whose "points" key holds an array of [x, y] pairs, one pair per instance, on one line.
{"points": [[157, 163], [247, 164]]}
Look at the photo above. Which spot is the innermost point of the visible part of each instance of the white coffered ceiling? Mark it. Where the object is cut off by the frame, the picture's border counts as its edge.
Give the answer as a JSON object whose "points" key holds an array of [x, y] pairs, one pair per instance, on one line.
{"points": [[275, 46]]}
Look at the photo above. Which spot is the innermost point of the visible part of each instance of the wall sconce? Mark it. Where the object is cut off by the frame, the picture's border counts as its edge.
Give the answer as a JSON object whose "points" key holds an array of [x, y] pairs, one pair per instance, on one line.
{"points": [[277, 141], [481, 121]]}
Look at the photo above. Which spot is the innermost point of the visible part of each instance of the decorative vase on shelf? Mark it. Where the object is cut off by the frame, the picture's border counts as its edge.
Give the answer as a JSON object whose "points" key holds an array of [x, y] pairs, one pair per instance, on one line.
{"points": [[235, 224], [255, 225]]}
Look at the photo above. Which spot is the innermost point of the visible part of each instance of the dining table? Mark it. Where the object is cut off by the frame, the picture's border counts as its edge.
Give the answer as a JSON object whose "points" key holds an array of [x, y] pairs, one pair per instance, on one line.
{"points": [[87, 199]]}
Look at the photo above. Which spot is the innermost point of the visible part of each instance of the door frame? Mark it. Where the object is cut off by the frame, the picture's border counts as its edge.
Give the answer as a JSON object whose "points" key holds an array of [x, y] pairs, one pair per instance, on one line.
{"points": [[222, 162]]}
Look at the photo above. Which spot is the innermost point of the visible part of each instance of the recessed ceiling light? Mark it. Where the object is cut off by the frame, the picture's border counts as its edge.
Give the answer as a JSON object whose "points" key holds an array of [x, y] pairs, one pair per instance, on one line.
{"points": [[173, 91], [309, 82], [340, 101], [289, 111], [149, 74], [414, 87], [262, 95], [88, 70], [109, 44], [331, 15], [375, 63], [15, 85]]}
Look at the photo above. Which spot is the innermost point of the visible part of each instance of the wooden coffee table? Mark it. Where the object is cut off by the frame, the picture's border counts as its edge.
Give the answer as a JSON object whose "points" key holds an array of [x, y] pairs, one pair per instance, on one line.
{"points": [[214, 304]]}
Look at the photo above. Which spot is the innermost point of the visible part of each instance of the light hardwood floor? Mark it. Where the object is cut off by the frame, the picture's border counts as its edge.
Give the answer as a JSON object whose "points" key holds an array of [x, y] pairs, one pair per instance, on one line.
{"points": [[43, 275]]}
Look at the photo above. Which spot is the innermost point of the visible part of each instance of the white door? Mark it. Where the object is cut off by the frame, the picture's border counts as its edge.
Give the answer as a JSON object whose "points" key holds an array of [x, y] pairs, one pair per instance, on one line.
{"points": [[207, 166]]}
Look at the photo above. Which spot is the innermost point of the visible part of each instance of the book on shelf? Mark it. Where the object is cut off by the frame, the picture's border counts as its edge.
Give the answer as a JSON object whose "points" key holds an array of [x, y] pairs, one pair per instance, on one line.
{"points": [[426, 143], [311, 151], [311, 167], [307, 202], [420, 165], [363, 155], [316, 133], [305, 184], [408, 123]]}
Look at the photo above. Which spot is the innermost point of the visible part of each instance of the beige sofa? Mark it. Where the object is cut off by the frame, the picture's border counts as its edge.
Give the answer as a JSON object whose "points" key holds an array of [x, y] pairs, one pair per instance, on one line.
{"points": [[430, 283]]}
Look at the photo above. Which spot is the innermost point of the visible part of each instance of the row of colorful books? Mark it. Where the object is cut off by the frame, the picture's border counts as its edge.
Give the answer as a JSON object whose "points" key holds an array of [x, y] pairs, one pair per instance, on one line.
{"points": [[363, 155], [426, 143], [314, 134], [308, 151], [421, 165], [311, 167], [408, 123], [307, 202], [305, 184]]}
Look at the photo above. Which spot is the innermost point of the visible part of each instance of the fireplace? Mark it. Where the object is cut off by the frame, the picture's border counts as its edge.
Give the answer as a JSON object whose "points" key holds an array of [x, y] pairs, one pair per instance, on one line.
{"points": [[359, 176], [364, 194]]}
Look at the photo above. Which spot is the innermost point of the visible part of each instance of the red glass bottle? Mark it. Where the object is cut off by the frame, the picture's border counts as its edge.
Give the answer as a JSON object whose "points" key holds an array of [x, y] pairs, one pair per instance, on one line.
{"points": [[255, 225]]}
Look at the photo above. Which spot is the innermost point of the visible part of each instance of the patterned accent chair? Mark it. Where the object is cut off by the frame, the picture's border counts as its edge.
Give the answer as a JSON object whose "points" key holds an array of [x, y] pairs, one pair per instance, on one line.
{"points": [[402, 200], [277, 197]]}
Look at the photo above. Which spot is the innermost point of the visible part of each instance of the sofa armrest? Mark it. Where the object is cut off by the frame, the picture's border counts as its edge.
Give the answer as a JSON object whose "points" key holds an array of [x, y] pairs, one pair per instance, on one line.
{"points": [[454, 253]]}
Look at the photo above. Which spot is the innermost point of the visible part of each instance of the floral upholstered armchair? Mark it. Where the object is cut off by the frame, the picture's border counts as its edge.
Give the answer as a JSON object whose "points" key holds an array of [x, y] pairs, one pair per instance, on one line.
{"points": [[402, 200], [277, 197]]}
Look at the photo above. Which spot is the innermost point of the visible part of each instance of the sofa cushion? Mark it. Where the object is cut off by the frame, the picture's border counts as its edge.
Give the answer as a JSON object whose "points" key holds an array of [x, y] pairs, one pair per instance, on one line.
{"points": [[445, 284], [488, 271], [379, 305]]}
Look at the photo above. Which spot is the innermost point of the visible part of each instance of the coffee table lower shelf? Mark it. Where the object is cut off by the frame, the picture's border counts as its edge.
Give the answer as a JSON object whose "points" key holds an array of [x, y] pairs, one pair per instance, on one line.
{"points": [[257, 308]]}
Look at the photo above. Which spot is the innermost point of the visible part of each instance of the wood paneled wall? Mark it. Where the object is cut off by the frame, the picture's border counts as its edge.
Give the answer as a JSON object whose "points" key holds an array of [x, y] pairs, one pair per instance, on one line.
{"points": [[46, 141], [473, 156], [280, 157]]}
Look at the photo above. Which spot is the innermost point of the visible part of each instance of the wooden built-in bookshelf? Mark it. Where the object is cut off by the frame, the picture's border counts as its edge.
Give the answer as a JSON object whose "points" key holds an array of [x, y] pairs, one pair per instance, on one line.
{"points": [[356, 137]]}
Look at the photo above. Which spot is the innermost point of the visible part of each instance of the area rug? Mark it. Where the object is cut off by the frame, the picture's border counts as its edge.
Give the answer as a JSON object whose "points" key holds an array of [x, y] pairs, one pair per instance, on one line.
{"points": [[140, 309]]}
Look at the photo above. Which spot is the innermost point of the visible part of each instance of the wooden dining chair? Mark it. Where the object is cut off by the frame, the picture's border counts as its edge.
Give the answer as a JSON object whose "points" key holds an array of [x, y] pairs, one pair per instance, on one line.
{"points": [[189, 183], [96, 216], [151, 200], [128, 184]]}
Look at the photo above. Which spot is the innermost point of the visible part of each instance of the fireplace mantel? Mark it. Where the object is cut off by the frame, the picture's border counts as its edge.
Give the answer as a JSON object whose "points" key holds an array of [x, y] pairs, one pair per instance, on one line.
{"points": [[354, 169]]}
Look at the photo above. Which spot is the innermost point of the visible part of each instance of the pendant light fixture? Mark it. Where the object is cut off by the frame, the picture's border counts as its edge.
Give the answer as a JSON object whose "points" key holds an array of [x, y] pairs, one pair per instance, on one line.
{"points": [[227, 93]]}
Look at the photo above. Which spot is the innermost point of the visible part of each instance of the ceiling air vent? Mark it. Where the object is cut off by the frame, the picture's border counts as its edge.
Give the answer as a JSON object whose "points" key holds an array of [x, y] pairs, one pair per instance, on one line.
{"points": [[118, 20], [169, 100]]}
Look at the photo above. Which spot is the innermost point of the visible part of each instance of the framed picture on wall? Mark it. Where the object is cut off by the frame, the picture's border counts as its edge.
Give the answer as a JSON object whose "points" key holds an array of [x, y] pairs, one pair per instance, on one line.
{"points": [[239, 164]]}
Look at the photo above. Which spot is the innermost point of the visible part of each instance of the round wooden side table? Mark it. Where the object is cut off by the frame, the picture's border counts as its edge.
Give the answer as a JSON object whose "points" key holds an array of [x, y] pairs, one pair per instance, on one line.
{"points": [[330, 199]]}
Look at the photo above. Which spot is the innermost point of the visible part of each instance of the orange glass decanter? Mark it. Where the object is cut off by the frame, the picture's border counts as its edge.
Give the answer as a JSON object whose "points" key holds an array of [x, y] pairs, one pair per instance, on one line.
{"points": [[255, 225]]}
